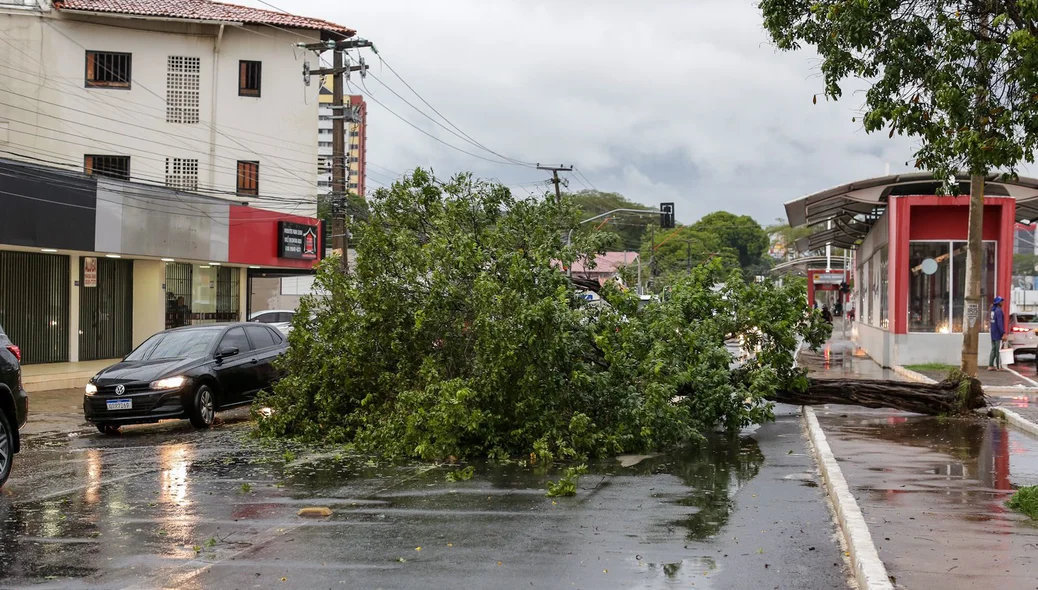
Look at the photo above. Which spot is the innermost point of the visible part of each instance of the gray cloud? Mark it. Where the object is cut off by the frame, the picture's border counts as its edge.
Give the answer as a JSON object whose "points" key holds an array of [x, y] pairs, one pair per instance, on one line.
{"points": [[659, 100]]}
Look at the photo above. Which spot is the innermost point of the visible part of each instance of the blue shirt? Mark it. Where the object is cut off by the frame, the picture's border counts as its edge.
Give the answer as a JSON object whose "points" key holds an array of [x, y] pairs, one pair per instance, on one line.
{"points": [[998, 323]]}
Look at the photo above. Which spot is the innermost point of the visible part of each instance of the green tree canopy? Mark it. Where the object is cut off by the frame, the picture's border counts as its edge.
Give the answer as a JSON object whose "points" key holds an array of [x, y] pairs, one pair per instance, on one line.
{"points": [[456, 334], [961, 75], [741, 233]]}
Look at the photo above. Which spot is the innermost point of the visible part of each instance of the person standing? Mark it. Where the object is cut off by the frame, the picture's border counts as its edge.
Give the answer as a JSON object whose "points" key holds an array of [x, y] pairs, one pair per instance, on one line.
{"points": [[998, 334]]}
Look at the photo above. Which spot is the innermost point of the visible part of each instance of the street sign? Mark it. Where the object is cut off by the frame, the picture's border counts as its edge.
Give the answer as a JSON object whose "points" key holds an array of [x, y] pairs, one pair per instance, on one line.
{"points": [[829, 278]]}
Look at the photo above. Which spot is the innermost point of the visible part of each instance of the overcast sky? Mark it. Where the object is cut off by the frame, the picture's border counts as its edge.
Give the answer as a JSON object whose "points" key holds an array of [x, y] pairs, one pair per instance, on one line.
{"points": [[660, 100]]}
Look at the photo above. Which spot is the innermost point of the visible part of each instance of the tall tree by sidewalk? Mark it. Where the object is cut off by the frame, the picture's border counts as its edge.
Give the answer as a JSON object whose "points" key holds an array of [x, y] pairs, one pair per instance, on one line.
{"points": [[960, 75]]}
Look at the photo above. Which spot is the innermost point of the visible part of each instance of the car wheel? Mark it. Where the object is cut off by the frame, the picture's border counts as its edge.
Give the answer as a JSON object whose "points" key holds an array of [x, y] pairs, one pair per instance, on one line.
{"points": [[203, 410], [108, 429], [6, 447]]}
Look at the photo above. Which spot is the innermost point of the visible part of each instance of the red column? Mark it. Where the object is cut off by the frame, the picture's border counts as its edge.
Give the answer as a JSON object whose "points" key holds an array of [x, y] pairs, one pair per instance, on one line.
{"points": [[1004, 262], [897, 251]]}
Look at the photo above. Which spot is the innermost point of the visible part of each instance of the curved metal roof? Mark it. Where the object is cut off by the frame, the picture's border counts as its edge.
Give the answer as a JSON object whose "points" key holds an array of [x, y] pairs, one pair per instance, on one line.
{"points": [[854, 207]]}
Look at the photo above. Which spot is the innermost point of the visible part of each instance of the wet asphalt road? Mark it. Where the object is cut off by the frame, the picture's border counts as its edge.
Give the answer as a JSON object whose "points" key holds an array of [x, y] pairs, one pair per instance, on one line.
{"points": [[166, 506]]}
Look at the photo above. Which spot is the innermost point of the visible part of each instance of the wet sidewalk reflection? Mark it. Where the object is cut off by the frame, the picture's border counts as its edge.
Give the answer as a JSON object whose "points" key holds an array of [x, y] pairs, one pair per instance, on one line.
{"points": [[933, 492]]}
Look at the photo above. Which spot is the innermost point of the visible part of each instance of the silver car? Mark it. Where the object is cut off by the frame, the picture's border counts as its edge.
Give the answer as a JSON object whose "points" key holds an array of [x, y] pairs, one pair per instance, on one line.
{"points": [[1021, 330], [281, 319]]}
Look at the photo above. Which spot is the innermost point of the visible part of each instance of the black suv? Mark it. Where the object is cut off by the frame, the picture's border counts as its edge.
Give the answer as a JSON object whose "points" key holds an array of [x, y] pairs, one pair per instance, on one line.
{"points": [[14, 403]]}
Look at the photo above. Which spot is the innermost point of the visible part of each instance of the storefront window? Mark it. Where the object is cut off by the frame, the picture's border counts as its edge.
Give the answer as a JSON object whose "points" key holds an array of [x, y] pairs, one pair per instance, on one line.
{"points": [[884, 282], [929, 272], [987, 284], [866, 292], [199, 294], [937, 285]]}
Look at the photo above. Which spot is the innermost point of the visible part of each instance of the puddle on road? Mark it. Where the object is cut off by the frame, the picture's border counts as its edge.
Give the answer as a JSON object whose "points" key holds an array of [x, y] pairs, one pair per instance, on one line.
{"points": [[146, 505]]}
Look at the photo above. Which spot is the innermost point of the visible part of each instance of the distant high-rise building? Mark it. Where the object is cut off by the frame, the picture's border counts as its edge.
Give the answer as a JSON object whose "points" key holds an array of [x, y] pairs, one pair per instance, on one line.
{"points": [[356, 140]]}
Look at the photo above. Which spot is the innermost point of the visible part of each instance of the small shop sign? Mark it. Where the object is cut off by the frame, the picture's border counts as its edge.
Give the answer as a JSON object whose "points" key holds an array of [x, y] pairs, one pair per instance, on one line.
{"points": [[297, 240], [89, 271]]}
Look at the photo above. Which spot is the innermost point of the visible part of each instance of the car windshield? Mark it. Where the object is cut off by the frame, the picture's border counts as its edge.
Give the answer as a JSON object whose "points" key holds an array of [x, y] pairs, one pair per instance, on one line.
{"points": [[177, 344], [1025, 318]]}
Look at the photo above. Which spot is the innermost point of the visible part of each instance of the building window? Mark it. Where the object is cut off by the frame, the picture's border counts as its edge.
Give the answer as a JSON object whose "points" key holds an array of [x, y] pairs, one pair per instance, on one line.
{"points": [[937, 286], [248, 178], [182, 89], [328, 131], [110, 166], [987, 284], [182, 174], [249, 77], [354, 133], [354, 146], [324, 144], [353, 185], [324, 117], [108, 70], [324, 183], [354, 159]]}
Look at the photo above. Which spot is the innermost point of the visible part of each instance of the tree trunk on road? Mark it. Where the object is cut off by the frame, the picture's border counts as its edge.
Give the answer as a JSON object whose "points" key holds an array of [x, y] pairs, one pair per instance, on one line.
{"points": [[921, 398], [974, 259]]}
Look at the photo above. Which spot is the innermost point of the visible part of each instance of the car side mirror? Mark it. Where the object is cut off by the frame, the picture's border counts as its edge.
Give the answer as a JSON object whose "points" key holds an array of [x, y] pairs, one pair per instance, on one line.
{"points": [[226, 352]]}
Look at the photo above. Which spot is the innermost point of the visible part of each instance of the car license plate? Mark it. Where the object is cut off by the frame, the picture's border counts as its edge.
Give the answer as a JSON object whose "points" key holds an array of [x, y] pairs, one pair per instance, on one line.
{"points": [[120, 404]]}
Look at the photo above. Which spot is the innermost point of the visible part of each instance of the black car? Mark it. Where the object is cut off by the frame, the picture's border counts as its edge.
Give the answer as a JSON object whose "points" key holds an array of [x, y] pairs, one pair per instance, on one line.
{"points": [[14, 404], [190, 372]]}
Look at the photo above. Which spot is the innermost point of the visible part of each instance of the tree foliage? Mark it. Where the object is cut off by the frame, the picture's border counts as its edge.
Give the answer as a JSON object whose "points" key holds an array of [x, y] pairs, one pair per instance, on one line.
{"points": [[455, 334], [629, 229], [741, 233], [961, 75]]}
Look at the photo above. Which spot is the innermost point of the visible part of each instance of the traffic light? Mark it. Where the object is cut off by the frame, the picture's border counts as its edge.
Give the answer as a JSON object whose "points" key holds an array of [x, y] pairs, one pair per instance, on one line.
{"points": [[667, 215]]}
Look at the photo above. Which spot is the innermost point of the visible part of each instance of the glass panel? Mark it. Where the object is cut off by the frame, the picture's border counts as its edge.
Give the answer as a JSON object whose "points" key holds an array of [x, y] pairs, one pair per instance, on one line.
{"points": [[260, 337], [928, 291], [884, 283], [987, 284]]}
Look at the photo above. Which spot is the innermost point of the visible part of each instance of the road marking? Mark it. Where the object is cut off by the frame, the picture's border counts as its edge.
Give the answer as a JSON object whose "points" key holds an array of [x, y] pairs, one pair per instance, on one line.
{"points": [[869, 570], [85, 486], [261, 540]]}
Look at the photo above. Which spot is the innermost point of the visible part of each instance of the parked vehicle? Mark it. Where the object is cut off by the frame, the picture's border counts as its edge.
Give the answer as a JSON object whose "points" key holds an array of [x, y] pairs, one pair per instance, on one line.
{"points": [[190, 372], [1022, 338], [14, 404], [277, 318]]}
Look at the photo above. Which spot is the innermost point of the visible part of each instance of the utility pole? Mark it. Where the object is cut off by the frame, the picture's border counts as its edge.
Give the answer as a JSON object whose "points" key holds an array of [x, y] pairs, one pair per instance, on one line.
{"points": [[340, 241], [555, 178]]}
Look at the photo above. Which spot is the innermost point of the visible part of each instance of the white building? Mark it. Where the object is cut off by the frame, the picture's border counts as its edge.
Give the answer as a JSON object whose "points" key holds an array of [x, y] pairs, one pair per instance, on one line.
{"points": [[194, 94], [132, 133]]}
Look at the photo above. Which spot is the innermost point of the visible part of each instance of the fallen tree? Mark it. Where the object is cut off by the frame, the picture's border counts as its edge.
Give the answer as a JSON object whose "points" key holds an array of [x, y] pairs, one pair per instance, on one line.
{"points": [[456, 334], [951, 396]]}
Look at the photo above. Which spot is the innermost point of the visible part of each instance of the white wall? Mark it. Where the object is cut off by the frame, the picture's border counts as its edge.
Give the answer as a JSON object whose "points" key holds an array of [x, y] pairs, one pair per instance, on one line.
{"points": [[149, 299], [51, 115], [915, 349]]}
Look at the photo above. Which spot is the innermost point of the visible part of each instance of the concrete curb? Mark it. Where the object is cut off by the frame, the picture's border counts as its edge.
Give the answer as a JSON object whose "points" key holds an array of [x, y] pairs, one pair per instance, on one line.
{"points": [[869, 570], [912, 375], [1016, 420]]}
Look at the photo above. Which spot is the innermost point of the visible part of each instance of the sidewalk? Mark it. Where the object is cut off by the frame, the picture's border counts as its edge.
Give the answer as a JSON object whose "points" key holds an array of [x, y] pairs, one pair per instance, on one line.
{"points": [[932, 490]]}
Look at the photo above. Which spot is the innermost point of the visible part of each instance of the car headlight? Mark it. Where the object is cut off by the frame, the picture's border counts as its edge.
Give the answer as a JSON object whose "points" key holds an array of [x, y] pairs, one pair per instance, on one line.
{"points": [[169, 383], [91, 389]]}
